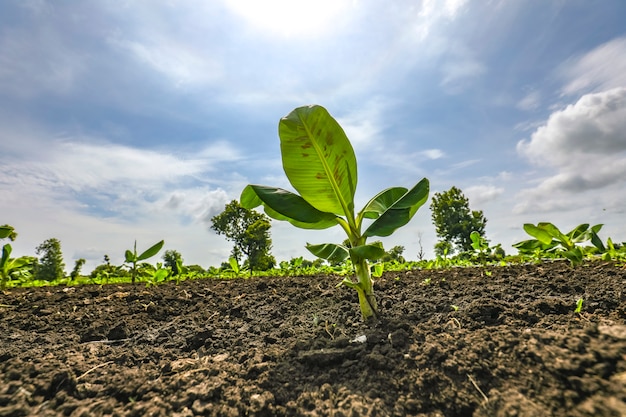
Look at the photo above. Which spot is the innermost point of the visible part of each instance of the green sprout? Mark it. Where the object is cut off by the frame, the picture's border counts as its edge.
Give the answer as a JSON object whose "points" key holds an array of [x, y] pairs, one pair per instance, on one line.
{"points": [[132, 258], [579, 306], [320, 163]]}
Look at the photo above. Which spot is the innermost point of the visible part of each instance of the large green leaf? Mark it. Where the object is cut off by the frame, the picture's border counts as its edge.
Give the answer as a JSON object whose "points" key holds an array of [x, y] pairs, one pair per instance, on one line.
{"points": [[329, 251], [281, 204], [372, 251], [151, 252], [530, 246], [539, 233], [6, 252], [597, 242], [19, 262], [399, 212], [556, 233], [382, 201], [579, 232], [318, 159]]}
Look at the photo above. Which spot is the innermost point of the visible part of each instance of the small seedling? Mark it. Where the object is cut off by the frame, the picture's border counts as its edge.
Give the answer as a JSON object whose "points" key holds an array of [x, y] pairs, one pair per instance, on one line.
{"points": [[155, 275], [132, 258], [331, 329], [579, 306]]}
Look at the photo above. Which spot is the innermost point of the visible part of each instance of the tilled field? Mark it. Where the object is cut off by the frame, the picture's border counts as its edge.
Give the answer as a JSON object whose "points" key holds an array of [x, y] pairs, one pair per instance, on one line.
{"points": [[501, 341]]}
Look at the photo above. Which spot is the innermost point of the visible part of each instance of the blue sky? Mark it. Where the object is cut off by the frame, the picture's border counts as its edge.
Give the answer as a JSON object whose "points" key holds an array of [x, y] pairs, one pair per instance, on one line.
{"points": [[142, 119]]}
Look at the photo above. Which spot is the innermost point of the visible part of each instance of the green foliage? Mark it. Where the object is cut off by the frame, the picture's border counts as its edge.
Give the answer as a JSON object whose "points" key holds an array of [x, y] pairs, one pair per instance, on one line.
{"points": [[9, 267], [105, 272], [132, 258], [77, 267], [482, 252], [611, 251], [249, 230], [301, 267], [394, 255], [51, 266], [550, 240], [454, 221], [234, 266], [173, 259], [195, 269], [320, 163], [154, 275], [378, 269], [7, 231], [443, 248]]}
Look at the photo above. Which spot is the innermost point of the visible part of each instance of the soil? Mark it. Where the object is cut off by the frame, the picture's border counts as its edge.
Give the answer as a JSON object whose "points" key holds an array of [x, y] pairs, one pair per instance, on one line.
{"points": [[495, 341]]}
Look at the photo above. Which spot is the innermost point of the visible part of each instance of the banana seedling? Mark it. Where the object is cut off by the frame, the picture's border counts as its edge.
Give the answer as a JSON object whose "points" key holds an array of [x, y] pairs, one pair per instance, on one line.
{"points": [[320, 164], [132, 258]]}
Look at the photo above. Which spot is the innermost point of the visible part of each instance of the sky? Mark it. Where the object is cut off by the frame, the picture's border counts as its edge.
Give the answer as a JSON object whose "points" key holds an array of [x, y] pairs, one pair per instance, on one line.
{"points": [[140, 120]]}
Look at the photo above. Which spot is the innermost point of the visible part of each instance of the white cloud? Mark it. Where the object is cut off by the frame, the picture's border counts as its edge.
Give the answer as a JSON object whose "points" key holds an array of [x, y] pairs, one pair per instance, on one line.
{"points": [[480, 194], [595, 125], [601, 69], [585, 144], [459, 71], [530, 102], [183, 64], [364, 125], [433, 153], [106, 195], [83, 165], [100, 179], [433, 11]]}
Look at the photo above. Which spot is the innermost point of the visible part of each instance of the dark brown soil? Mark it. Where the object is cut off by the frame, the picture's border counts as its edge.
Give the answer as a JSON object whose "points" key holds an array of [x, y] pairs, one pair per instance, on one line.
{"points": [[504, 341]]}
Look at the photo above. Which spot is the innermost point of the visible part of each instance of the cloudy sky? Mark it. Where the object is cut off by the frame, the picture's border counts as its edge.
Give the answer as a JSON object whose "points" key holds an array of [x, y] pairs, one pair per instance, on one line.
{"points": [[124, 120]]}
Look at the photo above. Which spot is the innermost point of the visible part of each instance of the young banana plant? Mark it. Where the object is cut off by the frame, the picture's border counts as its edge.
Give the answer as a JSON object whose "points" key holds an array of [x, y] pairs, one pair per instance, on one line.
{"points": [[132, 259], [320, 164]]}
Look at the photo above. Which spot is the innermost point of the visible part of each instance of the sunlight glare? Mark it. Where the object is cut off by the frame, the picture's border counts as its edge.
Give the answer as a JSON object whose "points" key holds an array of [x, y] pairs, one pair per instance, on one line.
{"points": [[301, 18]]}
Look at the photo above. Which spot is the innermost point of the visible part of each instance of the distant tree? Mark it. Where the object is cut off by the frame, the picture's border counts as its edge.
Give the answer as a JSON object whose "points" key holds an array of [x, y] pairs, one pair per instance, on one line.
{"points": [[454, 221], [50, 266], [257, 244], [196, 268], [249, 230], [106, 270], [173, 259], [394, 254], [443, 248], [77, 267]]}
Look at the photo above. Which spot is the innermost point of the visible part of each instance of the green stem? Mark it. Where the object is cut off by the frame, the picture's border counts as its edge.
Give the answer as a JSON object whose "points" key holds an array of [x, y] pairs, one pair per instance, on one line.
{"points": [[365, 289]]}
